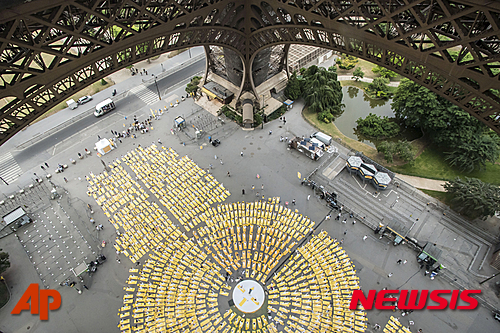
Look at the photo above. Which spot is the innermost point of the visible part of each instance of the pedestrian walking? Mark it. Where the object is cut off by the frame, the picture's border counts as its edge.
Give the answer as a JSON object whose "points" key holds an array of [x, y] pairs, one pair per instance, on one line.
{"points": [[338, 216], [211, 166], [328, 217], [399, 262], [118, 260], [308, 197], [97, 227], [405, 261], [137, 263], [341, 241], [365, 237], [262, 187], [257, 194], [98, 137], [65, 179], [101, 227], [344, 221], [222, 163], [353, 221], [216, 157], [228, 174], [41, 166], [159, 141], [253, 187], [243, 191], [270, 132], [293, 201], [84, 286], [46, 164], [389, 275], [241, 154], [345, 232]]}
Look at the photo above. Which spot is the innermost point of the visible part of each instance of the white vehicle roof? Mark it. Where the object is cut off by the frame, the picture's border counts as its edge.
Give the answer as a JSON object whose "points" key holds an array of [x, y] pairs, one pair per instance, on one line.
{"points": [[103, 103]]}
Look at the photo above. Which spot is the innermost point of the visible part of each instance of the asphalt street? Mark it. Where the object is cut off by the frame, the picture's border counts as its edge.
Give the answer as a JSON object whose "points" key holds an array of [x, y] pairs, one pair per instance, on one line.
{"points": [[29, 156]]}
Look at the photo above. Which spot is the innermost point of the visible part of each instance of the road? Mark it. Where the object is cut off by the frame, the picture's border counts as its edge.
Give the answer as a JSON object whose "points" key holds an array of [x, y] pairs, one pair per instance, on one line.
{"points": [[131, 102]]}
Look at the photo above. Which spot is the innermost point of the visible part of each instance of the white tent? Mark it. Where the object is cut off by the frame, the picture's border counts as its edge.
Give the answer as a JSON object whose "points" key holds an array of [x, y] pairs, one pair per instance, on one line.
{"points": [[103, 146]]}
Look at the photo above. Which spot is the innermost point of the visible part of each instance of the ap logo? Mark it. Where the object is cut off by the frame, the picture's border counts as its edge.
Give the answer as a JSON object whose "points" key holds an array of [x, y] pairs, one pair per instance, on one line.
{"points": [[39, 301]]}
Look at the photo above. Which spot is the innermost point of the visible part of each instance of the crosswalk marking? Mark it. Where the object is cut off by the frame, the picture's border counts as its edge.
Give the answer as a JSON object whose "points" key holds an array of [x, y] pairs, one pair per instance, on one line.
{"points": [[9, 169], [145, 94]]}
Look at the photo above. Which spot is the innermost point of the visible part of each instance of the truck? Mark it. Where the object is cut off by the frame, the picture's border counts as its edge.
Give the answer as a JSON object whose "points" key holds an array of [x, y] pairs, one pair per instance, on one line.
{"points": [[104, 107], [307, 147], [72, 104]]}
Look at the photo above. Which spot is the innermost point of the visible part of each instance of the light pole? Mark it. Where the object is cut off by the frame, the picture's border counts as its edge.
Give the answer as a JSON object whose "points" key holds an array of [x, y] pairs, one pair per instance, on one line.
{"points": [[189, 50], [158, 90]]}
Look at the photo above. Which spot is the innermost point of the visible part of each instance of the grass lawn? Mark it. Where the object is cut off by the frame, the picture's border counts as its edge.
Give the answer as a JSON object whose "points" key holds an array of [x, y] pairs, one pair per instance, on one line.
{"points": [[444, 197], [90, 90], [431, 164], [4, 294]]}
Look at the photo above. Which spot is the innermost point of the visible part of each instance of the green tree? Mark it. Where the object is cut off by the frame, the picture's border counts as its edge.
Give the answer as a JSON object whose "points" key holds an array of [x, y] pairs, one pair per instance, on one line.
{"points": [[387, 148], [192, 87], [402, 149], [474, 197], [103, 82], [374, 126], [405, 151], [4, 261], [384, 72], [446, 124], [322, 93], [475, 153], [293, 87], [358, 74], [379, 87]]}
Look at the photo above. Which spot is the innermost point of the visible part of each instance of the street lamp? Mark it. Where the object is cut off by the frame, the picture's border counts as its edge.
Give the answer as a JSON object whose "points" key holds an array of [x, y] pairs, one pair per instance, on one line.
{"points": [[189, 50], [158, 90]]}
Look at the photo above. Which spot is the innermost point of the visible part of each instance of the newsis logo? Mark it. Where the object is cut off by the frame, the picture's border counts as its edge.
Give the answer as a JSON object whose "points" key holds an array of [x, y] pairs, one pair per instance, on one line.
{"points": [[414, 299], [39, 300]]}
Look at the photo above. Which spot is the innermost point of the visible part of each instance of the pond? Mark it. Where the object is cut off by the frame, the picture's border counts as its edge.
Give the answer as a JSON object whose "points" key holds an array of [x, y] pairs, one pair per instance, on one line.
{"points": [[358, 105]]}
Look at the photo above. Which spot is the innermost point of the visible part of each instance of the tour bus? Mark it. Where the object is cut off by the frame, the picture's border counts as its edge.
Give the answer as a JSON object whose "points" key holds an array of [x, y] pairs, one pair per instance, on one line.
{"points": [[103, 107]]}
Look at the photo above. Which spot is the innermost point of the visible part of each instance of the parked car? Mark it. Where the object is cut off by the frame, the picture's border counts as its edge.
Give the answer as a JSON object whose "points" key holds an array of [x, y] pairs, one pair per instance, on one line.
{"points": [[496, 316], [84, 99]]}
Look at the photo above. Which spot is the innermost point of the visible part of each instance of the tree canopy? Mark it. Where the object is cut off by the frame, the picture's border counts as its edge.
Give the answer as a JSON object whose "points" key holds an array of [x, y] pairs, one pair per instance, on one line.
{"points": [[322, 93], [358, 74], [403, 149], [384, 72], [374, 126], [379, 87], [346, 61], [192, 87], [474, 197], [466, 138], [293, 89], [474, 153]]}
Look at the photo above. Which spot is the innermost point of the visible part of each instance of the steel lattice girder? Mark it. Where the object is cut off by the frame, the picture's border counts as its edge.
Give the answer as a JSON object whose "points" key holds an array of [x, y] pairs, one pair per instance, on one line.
{"points": [[51, 49]]}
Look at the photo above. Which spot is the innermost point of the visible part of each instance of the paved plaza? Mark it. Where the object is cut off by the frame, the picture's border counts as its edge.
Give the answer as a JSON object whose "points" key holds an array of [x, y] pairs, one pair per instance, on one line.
{"points": [[194, 243]]}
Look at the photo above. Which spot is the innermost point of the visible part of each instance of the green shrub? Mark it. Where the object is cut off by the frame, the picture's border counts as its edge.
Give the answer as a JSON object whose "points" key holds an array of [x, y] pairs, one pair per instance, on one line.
{"points": [[346, 61], [374, 126]]}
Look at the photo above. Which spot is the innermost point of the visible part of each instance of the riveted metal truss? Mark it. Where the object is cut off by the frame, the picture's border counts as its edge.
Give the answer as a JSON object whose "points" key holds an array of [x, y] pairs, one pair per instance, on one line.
{"points": [[51, 49]]}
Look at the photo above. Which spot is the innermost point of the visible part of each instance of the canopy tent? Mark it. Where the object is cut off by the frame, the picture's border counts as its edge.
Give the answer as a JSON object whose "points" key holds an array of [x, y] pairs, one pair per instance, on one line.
{"points": [[103, 146]]}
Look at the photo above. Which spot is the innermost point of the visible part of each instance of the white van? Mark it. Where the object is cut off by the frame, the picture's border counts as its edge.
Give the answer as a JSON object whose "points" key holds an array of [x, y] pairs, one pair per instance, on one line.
{"points": [[103, 107], [327, 140], [72, 104]]}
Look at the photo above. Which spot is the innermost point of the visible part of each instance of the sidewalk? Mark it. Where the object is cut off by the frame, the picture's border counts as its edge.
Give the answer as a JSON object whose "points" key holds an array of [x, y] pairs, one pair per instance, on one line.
{"points": [[423, 183]]}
